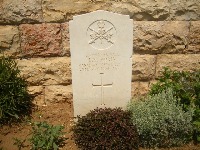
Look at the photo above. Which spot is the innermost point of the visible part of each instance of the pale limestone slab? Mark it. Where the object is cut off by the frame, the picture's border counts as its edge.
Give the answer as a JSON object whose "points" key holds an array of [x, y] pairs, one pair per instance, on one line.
{"points": [[101, 51]]}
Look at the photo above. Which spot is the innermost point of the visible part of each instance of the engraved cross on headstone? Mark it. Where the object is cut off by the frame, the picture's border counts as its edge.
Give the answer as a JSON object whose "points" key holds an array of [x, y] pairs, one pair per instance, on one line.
{"points": [[102, 85]]}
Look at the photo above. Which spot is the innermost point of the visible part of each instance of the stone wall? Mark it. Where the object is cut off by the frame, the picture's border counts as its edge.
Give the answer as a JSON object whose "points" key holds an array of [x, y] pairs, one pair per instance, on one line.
{"points": [[36, 34]]}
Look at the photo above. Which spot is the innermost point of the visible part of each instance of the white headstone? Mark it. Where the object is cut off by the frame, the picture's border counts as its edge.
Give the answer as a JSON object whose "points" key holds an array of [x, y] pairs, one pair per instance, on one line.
{"points": [[101, 51]]}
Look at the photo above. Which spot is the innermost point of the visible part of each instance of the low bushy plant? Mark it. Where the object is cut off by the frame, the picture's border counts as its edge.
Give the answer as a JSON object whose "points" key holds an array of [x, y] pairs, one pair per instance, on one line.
{"points": [[160, 121], [14, 98], [106, 128], [46, 136], [186, 87]]}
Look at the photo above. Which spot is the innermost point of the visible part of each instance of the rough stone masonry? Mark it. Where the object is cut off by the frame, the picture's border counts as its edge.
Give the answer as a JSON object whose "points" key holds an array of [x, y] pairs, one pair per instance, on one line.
{"points": [[36, 34]]}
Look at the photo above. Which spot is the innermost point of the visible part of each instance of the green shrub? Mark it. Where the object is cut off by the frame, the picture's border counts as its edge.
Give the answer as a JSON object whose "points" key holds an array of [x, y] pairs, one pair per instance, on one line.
{"points": [[106, 129], [14, 98], [160, 121], [186, 87], [46, 137]]}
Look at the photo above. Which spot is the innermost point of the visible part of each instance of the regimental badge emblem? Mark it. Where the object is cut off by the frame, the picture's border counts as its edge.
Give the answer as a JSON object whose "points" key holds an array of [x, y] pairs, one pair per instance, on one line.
{"points": [[101, 34]]}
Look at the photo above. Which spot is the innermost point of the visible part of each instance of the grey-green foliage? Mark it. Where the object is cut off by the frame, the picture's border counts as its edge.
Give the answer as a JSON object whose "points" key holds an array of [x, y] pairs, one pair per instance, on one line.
{"points": [[160, 121]]}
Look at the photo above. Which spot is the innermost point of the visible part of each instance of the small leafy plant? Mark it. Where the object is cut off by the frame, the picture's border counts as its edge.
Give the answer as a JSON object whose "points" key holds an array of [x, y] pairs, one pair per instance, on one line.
{"points": [[46, 137], [186, 87], [106, 129], [161, 121], [14, 98]]}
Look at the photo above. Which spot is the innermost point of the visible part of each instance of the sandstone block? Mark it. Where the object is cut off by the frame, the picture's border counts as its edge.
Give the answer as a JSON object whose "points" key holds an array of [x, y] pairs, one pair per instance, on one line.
{"points": [[125, 7], [160, 37], [29, 11], [46, 71], [62, 10], [9, 40], [37, 92], [152, 10], [140, 10], [177, 62], [194, 38], [184, 10], [58, 93], [143, 67], [65, 39], [140, 88], [20, 11], [40, 40]]}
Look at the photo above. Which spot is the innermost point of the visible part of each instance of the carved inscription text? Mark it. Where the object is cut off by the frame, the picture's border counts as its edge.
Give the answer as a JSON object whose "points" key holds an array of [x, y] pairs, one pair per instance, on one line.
{"points": [[100, 62]]}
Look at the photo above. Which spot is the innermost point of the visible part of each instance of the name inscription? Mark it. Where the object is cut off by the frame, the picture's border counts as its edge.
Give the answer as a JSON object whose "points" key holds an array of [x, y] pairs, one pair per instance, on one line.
{"points": [[100, 62]]}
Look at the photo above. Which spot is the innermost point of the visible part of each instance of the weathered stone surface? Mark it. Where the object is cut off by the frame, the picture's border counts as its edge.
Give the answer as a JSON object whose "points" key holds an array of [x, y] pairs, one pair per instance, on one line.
{"points": [[125, 7], [46, 71], [58, 93], [62, 10], [45, 95], [29, 11], [140, 10], [65, 39], [40, 40], [143, 67], [37, 92], [184, 9], [194, 37], [160, 37], [152, 10], [20, 11], [9, 40], [189, 62], [140, 88]]}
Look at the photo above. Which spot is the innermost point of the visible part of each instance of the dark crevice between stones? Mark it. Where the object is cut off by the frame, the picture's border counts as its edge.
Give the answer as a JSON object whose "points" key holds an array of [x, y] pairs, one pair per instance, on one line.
{"points": [[142, 16]]}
